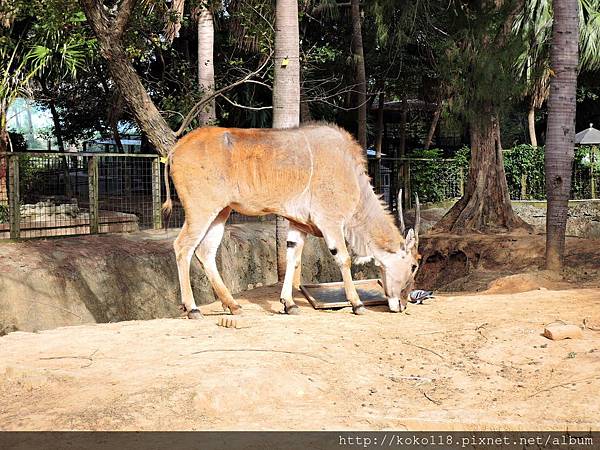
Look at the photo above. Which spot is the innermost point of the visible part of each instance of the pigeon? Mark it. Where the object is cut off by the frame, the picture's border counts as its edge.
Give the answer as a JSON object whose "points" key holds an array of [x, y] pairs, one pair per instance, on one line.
{"points": [[419, 295]]}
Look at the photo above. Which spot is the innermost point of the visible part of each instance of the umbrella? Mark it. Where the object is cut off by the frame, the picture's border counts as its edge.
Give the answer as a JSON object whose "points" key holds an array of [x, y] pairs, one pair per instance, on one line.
{"points": [[588, 136]]}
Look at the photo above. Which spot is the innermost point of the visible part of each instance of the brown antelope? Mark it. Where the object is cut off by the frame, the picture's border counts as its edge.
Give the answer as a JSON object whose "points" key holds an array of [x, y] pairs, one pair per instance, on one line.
{"points": [[315, 176]]}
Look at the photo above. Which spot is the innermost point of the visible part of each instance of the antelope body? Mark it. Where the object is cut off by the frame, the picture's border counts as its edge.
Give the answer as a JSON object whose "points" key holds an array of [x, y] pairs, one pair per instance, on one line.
{"points": [[315, 176]]}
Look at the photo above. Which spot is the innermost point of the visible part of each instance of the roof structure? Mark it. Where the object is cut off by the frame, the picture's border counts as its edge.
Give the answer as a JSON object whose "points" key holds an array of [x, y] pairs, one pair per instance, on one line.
{"points": [[410, 104], [588, 136]]}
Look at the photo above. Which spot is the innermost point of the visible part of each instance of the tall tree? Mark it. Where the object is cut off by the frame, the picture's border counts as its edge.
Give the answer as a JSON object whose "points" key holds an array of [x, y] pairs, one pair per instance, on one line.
{"points": [[109, 30], [286, 93], [561, 127], [359, 73], [534, 27], [206, 67], [482, 57]]}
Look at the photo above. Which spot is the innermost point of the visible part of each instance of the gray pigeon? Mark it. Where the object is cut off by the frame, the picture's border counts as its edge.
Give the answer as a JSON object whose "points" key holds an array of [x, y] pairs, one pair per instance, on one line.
{"points": [[419, 295]]}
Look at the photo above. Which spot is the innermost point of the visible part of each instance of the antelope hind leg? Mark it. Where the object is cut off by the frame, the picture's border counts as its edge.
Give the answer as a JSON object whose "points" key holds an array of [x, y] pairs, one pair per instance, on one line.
{"points": [[207, 253], [185, 244]]}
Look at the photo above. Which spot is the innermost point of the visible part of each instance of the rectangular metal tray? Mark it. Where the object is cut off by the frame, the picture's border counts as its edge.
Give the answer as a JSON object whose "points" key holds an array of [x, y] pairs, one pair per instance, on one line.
{"points": [[332, 295]]}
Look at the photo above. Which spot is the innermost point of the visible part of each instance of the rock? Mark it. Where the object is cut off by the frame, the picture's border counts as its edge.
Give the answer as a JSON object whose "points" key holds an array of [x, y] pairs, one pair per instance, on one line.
{"points": [[559, 331]]}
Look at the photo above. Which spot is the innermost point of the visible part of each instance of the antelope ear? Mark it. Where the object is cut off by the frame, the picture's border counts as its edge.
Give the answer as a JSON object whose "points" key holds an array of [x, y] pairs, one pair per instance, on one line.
{"points": [[410, 240]]}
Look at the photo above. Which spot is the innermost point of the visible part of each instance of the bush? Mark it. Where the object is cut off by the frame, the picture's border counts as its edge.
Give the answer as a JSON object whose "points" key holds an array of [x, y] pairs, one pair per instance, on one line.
{"points": [[523, 165], [435, 179], [3, 213], [525, 174]]}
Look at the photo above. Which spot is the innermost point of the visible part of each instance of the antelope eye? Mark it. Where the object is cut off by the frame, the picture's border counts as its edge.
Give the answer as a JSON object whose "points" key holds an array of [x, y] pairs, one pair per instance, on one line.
{"points": [[414, 268]]}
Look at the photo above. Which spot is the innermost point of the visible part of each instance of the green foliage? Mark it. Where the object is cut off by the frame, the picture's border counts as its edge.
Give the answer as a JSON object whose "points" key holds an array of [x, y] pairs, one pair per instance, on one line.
{"points": [[435, 178], [524, 168], [17, 141], [3, 213], [29, 171]]}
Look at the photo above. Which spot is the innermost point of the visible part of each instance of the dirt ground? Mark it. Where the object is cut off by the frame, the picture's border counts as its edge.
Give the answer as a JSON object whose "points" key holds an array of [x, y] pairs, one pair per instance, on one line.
{"points": [[475, 361]]}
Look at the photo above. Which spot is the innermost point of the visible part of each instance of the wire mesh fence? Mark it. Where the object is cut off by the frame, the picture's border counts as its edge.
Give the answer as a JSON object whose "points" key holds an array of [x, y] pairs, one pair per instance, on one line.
{"points": [[437, 180], [46, 194], [56, 194], [434, 180]]}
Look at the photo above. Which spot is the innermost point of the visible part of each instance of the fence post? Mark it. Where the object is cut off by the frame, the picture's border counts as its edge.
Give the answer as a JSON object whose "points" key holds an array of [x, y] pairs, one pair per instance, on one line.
{"points": [[407, 184], [93, 194], [523, 187], [14, 204], [461, 186], [156, 188], [592, 177]]}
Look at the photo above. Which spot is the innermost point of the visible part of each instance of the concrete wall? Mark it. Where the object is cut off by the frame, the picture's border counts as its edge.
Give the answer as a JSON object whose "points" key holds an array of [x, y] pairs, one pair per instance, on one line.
{"points": [[112, 277]]}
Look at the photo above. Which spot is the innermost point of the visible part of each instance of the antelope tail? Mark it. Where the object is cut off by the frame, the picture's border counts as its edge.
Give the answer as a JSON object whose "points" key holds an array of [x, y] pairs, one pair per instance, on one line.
{"points": [[167, 206]]}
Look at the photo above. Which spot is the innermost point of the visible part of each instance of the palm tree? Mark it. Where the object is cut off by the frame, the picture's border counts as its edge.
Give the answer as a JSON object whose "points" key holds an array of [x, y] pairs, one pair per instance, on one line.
{"points": [[534, 26], [206, 68], [286, 92], [360, 74], [561, 127]]}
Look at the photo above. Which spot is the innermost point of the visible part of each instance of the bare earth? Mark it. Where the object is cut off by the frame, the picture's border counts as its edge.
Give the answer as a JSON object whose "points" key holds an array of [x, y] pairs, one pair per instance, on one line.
{"points": [[469, 361]]}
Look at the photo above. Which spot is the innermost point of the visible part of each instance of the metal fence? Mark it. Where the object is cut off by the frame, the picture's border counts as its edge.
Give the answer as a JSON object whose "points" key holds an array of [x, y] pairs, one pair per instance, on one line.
{"points": [[45, 194], [437, 180], [54, 194]]}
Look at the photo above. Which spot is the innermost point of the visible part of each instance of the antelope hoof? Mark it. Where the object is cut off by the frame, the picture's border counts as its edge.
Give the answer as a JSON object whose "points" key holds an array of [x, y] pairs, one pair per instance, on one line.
{"points": [[292, 310], [194, 314], [359, 310], [235, 310]]}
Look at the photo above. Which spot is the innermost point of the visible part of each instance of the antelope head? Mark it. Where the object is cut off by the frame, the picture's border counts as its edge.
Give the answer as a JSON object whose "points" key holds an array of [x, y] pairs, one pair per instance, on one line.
{"points": [[398, 269]]}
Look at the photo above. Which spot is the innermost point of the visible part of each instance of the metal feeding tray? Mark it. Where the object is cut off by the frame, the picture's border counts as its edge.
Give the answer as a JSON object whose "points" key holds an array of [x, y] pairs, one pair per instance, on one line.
{"points": [[332, 295]]}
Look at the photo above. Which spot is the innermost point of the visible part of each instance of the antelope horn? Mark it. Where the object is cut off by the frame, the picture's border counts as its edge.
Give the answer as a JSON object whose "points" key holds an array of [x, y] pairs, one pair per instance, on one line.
{"points": [[417, 217], [400, 214]]}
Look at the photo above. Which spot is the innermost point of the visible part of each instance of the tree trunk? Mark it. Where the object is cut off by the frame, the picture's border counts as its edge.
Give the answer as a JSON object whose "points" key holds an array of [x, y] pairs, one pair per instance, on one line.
{"points": [[379, 141], [140, 104], [206, 68], [531, 126], [61, 149], [485, 205], [560, 134], [113, 115], [3, 160], [109, 33], [286, 94], [434, 122], [360, 74], [403, 117], [305, 114]]}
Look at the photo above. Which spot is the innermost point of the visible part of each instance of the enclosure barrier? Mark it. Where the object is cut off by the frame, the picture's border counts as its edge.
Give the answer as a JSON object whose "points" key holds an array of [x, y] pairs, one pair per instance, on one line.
{"points": [[54, 194], [46, 194], [439, 179]]}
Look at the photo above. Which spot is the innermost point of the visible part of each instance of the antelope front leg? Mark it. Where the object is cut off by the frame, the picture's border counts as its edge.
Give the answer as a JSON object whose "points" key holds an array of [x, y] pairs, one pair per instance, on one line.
{"points": [[298, 269], [337, 247], [295, 243]]}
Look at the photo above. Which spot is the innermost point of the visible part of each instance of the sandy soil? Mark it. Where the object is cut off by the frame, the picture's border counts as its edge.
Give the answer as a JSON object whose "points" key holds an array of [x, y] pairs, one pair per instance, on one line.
{"points": [[467, 361]]}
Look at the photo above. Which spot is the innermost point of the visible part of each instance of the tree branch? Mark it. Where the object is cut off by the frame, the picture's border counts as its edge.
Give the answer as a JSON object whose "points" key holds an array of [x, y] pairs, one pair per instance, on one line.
{"points": [[252, 108], [122, 18], [94, 11], [204, 100]]}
